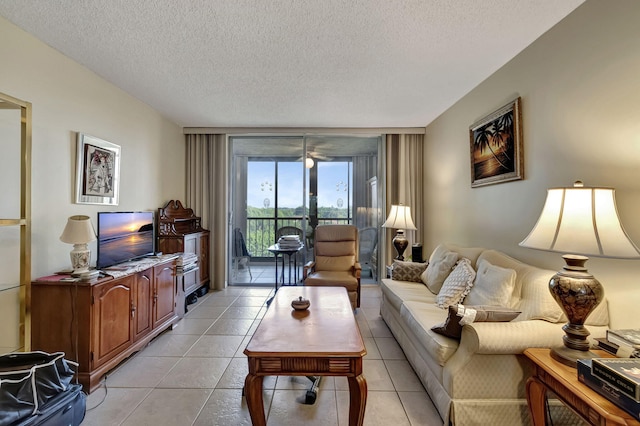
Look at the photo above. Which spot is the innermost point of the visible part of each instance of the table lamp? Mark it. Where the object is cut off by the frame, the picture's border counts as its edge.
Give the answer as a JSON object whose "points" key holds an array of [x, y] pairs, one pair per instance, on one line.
{"points": [[79, 232], [400, 219], [579, 221]]}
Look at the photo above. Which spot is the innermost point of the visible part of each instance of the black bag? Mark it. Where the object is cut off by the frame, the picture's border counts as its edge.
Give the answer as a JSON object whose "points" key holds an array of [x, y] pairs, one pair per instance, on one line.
{"points": [[66, 408], [28, 380]]}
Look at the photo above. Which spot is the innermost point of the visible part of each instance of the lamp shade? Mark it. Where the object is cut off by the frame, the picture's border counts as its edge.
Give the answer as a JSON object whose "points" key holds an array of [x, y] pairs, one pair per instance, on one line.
{"points": [[78, 230], [399, 218], [584, 221]]}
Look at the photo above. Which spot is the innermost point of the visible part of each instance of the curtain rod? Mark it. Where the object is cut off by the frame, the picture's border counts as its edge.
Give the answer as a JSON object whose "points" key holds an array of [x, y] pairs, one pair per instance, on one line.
{"points": [[305, 130]]}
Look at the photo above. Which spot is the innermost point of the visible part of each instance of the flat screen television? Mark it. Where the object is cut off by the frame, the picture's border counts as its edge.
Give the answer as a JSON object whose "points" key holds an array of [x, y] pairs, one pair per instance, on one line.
{"points": [[124, 236]]}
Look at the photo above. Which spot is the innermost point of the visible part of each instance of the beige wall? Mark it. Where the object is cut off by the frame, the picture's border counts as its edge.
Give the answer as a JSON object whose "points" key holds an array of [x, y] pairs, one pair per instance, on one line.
{"points": [[580, 89], [67, 98]]}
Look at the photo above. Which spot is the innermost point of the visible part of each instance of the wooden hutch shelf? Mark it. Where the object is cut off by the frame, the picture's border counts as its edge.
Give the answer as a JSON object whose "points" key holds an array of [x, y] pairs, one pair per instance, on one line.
{"points": [[180, 231]]}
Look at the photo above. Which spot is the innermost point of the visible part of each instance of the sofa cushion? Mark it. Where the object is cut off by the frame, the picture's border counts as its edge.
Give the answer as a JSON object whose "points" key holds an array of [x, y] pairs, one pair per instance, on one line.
{"points": [[441, 263], [419, 318], [460, 314], [407, 271], [493, 286], [397, 292], [457, 285]]}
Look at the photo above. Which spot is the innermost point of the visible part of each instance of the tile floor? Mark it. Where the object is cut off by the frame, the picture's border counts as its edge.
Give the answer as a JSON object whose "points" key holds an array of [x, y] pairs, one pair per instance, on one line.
{"points": [[193, 374]]}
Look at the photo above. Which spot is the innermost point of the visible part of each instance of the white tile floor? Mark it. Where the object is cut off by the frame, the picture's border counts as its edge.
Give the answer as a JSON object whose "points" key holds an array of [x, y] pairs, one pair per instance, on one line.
{"points": [[194, 374]]}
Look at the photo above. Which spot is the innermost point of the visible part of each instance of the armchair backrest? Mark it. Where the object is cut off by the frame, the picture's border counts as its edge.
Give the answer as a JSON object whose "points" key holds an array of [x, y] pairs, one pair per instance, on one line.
{"points": [[336, 247]]}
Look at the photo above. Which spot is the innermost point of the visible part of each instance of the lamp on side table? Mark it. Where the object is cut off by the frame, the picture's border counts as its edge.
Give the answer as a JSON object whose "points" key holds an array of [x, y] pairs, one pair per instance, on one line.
{"points": [[582, 221]]}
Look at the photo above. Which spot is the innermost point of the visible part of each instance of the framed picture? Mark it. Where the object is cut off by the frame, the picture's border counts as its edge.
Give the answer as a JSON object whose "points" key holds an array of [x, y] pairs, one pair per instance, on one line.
{"points": [[97, 171], [496, 146]]}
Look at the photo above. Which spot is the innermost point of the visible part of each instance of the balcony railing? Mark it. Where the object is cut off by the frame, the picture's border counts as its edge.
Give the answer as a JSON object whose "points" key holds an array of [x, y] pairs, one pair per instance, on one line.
{"points": [[261, 232]]}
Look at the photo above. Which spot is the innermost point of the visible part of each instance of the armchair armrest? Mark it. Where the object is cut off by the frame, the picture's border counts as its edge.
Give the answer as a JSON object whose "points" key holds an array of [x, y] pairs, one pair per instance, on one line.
{"points": [[308, 268], [357, 270]]}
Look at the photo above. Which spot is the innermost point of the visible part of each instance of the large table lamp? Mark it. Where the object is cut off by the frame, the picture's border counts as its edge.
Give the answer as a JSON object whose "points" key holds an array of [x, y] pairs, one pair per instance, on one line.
{"points": [[579, 221], [400, 219], [79, 232]]}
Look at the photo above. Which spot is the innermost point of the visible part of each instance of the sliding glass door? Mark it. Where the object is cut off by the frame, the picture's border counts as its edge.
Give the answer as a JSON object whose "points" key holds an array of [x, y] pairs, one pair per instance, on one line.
{"points": [[293, 184]]}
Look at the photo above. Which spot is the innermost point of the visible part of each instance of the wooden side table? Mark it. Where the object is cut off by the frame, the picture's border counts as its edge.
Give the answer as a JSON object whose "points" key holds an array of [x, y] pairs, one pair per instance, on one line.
{"points": [[562, 380]]}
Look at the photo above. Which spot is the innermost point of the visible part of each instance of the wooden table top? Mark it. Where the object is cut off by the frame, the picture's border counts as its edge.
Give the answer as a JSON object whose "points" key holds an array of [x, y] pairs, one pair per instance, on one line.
{"points": [[568, 376], [327, 328]]}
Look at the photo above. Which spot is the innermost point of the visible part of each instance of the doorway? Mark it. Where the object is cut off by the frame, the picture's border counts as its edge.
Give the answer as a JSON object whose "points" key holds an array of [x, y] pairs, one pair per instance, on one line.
{"points": [[297, 183]]}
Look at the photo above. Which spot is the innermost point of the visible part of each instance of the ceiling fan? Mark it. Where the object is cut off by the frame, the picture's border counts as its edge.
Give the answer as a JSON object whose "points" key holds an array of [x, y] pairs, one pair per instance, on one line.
{"points": [[316, 156]]}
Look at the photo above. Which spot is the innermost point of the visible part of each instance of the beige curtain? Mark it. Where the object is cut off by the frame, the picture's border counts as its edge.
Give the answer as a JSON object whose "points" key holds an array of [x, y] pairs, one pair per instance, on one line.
{"points": [[207, 195], [404, 179]]}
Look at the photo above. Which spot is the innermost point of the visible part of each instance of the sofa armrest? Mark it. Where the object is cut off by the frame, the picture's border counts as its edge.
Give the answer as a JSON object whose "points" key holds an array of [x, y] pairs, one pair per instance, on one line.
{"points": [[506, 338]]}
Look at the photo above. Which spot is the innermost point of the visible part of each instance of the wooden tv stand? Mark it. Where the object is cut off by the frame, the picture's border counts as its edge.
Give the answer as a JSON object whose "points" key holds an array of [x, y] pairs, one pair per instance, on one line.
{"points": [[101, 322]]}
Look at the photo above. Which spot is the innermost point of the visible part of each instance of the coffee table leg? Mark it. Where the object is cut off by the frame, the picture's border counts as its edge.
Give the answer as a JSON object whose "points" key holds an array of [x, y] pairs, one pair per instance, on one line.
{"points": [[253, 394], [536, 397], [357, 400]]}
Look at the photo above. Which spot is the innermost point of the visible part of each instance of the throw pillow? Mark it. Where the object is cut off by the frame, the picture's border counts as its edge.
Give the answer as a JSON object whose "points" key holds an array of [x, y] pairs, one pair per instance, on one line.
{"points": [[457, 285], [460, 315], [441, 263], [493, 286], [407, 271]]}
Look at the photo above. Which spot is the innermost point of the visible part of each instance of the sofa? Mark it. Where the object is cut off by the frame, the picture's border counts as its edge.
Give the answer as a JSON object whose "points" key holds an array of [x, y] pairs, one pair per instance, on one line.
{"points": [[478, 378]]}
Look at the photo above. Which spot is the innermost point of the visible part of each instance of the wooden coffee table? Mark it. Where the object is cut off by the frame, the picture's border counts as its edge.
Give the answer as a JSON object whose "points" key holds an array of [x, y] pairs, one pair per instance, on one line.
{"points": [[322, 341]]}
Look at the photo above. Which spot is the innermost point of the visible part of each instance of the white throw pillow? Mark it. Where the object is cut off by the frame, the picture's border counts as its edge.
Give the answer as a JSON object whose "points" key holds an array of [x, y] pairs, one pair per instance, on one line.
{"points": [[441, 263], [457, 285], [493, 286]]}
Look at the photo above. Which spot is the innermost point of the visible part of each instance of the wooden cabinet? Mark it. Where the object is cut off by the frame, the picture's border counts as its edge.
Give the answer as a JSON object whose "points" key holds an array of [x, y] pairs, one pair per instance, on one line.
{"points": [[180, 231], [100, 323]]}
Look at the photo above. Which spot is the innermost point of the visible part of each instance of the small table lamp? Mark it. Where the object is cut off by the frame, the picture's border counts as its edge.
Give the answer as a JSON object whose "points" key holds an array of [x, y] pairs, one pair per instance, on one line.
{"points": [[400, 219], [582, 221], [79, 232]]}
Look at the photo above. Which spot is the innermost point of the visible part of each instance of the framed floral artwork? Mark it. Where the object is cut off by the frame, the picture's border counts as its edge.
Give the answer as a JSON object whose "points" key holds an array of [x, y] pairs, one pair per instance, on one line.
{"points": [[97, 171], [496, 146]]}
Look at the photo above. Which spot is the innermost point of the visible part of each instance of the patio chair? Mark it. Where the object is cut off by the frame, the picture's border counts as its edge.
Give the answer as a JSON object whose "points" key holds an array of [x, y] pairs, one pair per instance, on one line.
{"points": [[241, 255]]}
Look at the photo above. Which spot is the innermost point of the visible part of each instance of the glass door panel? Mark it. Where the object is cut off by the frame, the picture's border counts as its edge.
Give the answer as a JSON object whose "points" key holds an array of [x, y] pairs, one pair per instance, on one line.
{"points": [[298, 183]]}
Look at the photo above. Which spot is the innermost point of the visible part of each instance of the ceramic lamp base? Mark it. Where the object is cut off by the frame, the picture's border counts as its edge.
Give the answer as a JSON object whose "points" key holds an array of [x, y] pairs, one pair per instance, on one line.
{"points": [[80, 258], [400, 243]]}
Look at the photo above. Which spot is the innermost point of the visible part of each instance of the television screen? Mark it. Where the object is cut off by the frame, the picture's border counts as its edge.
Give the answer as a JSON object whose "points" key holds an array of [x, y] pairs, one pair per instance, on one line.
{"points": [[124, 236]]}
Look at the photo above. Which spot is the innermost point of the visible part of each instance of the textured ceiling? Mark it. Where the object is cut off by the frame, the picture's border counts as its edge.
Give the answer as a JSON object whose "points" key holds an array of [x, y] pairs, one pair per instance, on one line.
{"points": [[291, 63]]}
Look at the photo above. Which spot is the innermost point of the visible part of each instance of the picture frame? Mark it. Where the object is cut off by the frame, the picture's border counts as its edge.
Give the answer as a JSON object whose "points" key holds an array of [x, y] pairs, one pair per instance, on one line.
{"points": [[496, 146], [97, 171]]}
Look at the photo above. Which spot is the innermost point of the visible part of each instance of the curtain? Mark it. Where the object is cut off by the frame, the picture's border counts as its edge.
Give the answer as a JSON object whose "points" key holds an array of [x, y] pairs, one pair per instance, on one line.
{"points": [[207, 185], [404, 179]]}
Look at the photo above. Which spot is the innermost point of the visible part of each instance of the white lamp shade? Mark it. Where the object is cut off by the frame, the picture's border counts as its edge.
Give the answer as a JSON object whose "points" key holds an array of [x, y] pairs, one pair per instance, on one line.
{"points": [[584, 221], [399, 218], [79, 230]]}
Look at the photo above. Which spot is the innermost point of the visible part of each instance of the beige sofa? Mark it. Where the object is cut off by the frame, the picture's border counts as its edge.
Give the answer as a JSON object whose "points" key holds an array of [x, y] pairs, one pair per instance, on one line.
{"points": [[480, 379]]}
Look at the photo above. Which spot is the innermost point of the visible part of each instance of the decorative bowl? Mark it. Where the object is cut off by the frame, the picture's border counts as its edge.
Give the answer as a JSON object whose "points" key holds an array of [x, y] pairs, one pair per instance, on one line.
{"points": [[300, 304]]}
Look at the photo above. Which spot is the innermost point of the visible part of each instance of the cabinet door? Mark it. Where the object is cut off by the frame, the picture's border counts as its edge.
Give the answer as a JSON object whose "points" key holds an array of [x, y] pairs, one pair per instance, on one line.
{"points": [[113, 304], [164, 295], [203, 261], [142, 307]]}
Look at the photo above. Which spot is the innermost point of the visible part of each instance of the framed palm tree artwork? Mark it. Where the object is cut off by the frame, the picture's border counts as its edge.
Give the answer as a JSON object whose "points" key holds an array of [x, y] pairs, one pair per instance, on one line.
{"points": [[496, 146]]}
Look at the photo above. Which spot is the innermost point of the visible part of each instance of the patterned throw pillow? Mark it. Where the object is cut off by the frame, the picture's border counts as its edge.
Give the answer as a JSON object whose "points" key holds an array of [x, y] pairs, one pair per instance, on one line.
{"points": [[407, 271], [457, 285], [441, 263], [459, 315]]}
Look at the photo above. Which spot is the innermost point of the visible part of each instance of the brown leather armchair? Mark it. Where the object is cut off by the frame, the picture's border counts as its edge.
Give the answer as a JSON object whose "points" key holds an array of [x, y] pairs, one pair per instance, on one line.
{"points": [[335, 261]]}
